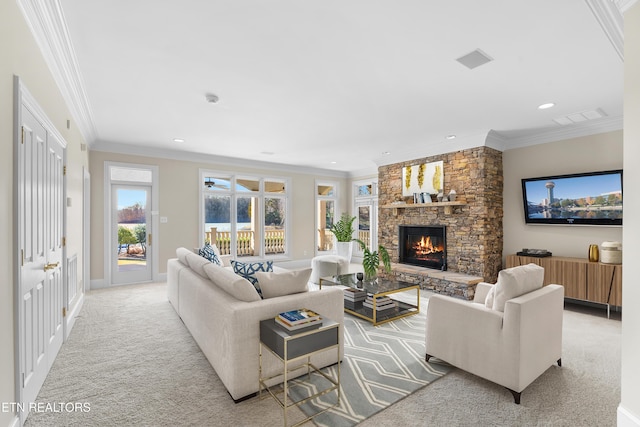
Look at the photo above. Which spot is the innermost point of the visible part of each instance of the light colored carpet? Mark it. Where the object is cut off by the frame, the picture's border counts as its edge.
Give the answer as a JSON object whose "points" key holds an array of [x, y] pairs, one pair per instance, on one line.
{"points": [[585, 391], [161, 386], [382, 365]]}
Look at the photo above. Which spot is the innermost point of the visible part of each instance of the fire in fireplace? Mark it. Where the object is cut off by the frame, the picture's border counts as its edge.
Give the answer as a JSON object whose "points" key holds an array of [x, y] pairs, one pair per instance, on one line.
{"points": [[424, 246]]}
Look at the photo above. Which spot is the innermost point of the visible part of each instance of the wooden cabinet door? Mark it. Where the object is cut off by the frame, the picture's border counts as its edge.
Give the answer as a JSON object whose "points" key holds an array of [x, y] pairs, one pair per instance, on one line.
{"points": [[604, 284], [570, 274]]}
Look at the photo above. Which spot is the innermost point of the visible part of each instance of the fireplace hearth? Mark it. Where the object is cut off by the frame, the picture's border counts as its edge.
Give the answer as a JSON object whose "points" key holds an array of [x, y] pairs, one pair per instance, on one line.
{"points": [[423, 245]]}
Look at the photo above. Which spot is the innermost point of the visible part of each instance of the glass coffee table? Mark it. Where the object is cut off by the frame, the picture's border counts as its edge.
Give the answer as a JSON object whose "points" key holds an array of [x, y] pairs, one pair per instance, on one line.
{"points": [[379, 301]]}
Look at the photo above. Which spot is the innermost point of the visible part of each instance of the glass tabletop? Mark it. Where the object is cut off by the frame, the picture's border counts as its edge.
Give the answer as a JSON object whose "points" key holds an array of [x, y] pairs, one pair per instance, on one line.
{"points": [[375, 286]]}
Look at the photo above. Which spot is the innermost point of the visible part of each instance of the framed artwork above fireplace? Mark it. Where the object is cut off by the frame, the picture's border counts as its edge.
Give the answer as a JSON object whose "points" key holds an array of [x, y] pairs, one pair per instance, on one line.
{"points": [[423, 178]]}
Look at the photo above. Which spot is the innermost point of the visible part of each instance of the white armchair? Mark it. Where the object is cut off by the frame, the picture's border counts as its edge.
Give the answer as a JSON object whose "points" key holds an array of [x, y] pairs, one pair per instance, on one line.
{"points": [[510, 334]]}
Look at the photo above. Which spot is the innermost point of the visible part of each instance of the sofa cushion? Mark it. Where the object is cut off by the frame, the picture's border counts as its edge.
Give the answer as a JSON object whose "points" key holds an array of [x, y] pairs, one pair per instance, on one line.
{"points": [[248, 270], [182, 253], [516, 281], [278, 284], [211, 253], [236, 286], [197, 263]]}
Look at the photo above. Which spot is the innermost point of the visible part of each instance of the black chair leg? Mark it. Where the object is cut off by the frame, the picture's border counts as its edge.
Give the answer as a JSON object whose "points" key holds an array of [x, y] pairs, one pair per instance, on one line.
{"points": [[516, 396], [427, 357]]}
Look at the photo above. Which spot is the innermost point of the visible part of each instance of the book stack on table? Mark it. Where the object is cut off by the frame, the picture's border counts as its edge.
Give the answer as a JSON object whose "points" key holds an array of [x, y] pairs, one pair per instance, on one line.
{"points": [[384, 304], [353, 298], [298, 319]]}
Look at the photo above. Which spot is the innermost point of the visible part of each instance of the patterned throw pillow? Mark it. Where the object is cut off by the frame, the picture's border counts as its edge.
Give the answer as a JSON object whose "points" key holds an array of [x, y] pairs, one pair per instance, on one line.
{"points": [[249, 269], [209, 253]]}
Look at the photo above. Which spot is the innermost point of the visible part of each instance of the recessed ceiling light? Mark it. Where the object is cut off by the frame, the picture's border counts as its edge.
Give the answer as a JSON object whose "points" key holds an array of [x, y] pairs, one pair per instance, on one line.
{"points": [[386, 153], [545, 106], [334, 162], [450, 137], [267, 153], [178, 140]]}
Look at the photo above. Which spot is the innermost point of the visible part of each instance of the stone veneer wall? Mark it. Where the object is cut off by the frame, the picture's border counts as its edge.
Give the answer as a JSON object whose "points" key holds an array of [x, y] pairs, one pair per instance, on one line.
{"points": [[474, 231]]}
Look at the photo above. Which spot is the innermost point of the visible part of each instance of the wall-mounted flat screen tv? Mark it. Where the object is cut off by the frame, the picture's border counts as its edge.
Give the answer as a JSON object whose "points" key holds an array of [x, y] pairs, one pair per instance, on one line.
{"points": [[593, 198]]}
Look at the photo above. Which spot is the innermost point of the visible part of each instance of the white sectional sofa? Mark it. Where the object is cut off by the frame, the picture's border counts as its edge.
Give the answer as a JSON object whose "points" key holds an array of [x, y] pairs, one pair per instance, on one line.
{"points": [[222, 311]]}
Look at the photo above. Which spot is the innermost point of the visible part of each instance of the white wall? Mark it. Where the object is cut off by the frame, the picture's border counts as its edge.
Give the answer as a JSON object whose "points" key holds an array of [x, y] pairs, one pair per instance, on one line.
{"points": [[21, 56], [585, 154], [179, 198], [629, 410]]}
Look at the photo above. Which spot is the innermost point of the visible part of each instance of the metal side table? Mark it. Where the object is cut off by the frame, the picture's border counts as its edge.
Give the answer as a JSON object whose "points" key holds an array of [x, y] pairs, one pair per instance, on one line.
{"points": [[293, 347]]}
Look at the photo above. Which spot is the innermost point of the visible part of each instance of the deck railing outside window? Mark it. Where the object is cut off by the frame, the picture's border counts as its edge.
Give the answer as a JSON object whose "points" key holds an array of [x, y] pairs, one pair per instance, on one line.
{"points": [[245, 241]]}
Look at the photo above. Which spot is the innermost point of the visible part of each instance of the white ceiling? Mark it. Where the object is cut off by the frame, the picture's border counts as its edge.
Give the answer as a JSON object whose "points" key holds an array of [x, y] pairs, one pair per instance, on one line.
{"points": [[308, 83]]}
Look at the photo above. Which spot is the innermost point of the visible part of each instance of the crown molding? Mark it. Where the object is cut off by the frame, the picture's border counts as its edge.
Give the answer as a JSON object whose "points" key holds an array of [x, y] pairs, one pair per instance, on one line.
{"points": [[136, 150], [625, 5], [48, 26], [594, 127], [609, 15]]}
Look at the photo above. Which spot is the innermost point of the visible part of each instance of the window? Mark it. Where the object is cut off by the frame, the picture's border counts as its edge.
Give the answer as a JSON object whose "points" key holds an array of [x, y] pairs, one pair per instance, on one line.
{"points": [[326, 200], [244, 216], [366, 212]]}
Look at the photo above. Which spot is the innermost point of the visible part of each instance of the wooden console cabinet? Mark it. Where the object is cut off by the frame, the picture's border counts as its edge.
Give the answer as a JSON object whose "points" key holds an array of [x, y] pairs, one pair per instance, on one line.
{"points": [[582, 280]]}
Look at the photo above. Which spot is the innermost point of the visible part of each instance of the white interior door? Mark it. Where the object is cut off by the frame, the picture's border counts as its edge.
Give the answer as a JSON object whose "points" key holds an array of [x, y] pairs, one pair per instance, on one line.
{"points": [[41, 228], [131, 233]]}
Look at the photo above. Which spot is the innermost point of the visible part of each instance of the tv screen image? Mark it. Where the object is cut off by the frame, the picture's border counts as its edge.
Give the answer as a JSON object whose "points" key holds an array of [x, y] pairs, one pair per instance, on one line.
{"points": [[593, 198]]}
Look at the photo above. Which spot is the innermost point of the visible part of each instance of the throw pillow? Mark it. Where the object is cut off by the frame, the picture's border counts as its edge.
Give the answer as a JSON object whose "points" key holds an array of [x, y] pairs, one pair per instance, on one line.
{"points": [[285, 283], [248, 270], [236, 286], [210, 252], [516, 281], [488, 301]]}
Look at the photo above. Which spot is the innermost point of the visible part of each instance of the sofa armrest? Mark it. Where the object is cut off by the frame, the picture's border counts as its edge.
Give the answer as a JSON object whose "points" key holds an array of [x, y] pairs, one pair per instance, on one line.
{"points": [[533, 325]]}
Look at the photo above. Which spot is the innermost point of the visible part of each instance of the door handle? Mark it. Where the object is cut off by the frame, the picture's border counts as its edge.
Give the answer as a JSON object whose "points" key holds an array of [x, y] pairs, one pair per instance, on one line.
{"points": [[48, 267], [149, 240]]}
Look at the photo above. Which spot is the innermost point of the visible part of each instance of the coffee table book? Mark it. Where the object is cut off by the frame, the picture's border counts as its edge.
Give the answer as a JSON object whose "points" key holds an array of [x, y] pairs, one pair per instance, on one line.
{"points": [[299, 316], [308, 324]]}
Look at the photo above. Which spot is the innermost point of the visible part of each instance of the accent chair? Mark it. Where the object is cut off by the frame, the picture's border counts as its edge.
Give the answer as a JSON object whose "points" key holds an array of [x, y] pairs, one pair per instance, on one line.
{"points": [[509, 334]]}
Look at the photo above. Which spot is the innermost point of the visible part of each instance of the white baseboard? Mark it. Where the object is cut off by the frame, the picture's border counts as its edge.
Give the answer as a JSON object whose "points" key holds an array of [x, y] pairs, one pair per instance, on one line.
{"points": [[626, 418], [102, 284], [97, 284], [73, 313]]}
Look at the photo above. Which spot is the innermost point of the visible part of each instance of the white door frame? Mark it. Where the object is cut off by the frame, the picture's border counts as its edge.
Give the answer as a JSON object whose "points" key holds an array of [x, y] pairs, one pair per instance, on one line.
{"points": [[86, 230], [23, 98], [108, 258]]}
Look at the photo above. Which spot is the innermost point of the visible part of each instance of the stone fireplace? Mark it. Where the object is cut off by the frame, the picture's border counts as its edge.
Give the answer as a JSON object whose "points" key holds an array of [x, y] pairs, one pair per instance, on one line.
{"points": [[472, 228], [422, 245]]}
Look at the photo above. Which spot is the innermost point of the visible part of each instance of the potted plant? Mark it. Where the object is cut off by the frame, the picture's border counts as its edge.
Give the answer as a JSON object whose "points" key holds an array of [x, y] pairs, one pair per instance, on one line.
{"points": [[371, 260], [343, 230]]}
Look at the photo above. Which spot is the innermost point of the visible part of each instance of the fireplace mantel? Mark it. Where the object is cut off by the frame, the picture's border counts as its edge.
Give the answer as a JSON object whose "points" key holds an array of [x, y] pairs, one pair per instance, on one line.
{"points": [[448, 206]]}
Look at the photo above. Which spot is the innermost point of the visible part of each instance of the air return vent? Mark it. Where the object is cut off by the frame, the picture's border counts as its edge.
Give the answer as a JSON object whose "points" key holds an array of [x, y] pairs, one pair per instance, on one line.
{"points": [[580, 117], [474, 59]]}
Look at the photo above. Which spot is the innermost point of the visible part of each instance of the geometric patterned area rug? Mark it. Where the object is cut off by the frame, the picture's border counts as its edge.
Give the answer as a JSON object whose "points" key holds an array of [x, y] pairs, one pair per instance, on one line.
{"points": [[381, 365]]}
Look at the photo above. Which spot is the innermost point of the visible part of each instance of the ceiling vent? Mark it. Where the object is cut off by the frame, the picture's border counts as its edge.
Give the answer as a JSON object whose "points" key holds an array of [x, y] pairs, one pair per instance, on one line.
{"points": [[580, 117], [474, 59]]}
